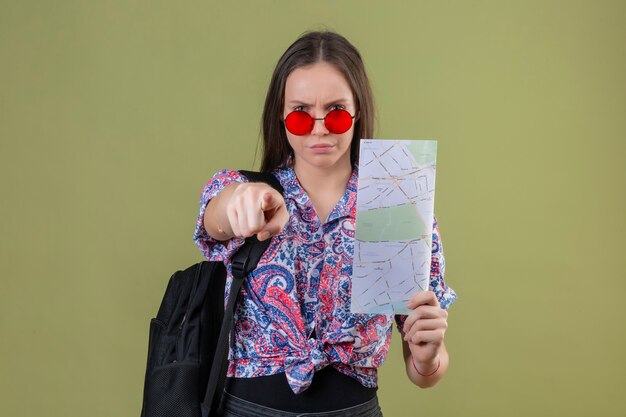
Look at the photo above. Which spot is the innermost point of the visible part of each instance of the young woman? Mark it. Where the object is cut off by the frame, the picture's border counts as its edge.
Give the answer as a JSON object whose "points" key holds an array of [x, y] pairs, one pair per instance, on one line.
{"points": [[297, 350]]}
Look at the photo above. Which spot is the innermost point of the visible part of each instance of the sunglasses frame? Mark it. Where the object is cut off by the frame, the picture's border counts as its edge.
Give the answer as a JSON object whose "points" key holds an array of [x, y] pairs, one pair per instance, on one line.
{"points": [[352, 117]]}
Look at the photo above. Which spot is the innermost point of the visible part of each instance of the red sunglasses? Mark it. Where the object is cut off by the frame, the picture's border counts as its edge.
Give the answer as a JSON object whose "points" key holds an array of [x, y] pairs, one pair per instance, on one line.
{"points": [[301, 123]]}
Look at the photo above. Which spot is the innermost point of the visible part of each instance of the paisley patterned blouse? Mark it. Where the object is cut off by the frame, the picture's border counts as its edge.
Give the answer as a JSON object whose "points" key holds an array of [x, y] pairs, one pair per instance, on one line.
{"points": [[293, 314]]}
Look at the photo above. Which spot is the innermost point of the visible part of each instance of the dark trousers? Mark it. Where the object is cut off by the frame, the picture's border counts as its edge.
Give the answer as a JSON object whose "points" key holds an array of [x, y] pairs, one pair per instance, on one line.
{"points": [[236, 407]]}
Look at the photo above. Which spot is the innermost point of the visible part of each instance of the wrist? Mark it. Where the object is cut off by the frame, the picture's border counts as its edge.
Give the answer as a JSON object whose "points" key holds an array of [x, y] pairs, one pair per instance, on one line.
{"points": [[216, 221], [426, 368]]}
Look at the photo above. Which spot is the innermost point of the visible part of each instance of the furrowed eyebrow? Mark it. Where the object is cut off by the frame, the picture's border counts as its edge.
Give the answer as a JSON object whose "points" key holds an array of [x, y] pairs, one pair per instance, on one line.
{"points": [[302, 103]]}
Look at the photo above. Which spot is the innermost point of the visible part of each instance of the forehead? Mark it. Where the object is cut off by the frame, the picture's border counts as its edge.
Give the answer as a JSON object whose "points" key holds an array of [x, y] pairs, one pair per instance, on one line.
{"points": [[320, 82]]}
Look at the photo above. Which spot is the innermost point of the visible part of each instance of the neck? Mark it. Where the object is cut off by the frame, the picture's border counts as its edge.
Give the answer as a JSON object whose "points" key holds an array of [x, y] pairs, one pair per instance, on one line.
{"points": [[316, 180]]}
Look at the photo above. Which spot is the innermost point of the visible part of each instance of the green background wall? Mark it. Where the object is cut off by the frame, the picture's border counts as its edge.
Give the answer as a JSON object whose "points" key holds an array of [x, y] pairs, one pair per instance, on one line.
{"points": [[114, 114]]}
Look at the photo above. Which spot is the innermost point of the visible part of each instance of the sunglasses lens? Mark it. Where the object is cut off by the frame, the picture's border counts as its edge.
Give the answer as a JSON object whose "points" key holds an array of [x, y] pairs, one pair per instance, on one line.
{"points": [[338, 121], [299, 123]]}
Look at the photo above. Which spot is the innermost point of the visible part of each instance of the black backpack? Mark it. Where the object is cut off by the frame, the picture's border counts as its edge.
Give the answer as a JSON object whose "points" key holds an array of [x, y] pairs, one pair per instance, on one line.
{"points": [[188, 341]]}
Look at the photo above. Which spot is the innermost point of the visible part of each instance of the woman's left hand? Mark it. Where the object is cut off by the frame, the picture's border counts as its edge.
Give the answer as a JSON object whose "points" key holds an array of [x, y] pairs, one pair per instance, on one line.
{"points": [[424, 329]]}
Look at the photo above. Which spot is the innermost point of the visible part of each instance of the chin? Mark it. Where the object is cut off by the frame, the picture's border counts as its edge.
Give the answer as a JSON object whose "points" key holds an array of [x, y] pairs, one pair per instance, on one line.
{"points": [[326, 161]]}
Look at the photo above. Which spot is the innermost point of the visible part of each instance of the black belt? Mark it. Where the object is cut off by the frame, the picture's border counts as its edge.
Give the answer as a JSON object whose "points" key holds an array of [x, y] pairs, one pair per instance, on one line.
{"points": [[330, 390]]}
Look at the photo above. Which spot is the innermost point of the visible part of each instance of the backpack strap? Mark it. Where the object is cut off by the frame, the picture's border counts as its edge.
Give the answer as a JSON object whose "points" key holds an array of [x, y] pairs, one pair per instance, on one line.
{"points": [[265, 177], [243, 262]]}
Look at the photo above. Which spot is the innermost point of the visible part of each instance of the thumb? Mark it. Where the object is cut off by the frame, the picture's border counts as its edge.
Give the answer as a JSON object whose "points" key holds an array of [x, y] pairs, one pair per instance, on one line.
{"points": [[269, 202]]}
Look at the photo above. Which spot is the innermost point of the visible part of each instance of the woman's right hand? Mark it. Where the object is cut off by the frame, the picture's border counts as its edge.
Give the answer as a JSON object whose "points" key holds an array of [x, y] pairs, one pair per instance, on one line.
{"points": [[245, 209], [256, 208]]}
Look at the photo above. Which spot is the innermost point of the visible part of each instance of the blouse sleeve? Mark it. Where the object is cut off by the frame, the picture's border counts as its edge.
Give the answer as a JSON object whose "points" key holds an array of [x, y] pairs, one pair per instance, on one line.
{"points": [[445, 295], [212, 249]]}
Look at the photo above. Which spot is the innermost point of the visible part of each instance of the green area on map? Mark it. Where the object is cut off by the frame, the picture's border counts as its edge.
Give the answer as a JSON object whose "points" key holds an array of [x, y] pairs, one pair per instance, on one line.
{"points": [[389, 223], [424, 151]]}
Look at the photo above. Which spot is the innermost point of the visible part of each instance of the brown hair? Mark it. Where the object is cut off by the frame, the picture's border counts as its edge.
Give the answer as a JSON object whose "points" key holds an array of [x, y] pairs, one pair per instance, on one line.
{"points": [[309, 48]]}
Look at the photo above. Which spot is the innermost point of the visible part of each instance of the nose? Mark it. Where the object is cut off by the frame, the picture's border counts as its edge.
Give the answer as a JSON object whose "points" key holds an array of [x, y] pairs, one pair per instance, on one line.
{"points": [[319, 128]]}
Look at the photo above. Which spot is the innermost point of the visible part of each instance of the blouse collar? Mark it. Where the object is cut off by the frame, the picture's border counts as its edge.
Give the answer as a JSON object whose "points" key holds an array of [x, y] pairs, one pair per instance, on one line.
{"points": [[346, 206]]}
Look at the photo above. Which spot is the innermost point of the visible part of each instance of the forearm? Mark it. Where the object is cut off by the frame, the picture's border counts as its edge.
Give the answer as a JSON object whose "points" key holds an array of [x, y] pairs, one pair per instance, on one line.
{"points": [[441, 360], [215, 218]]}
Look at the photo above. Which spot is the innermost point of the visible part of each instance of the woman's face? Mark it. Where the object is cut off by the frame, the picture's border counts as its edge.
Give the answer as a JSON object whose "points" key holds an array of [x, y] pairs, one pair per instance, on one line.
{"points": [[318, 89]]}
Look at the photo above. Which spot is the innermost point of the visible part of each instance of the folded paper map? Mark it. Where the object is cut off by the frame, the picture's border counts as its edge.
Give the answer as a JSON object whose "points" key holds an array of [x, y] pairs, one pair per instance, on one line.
{"points": [[394, 222]]}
